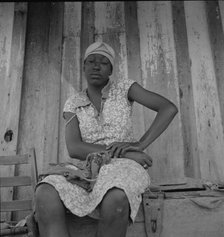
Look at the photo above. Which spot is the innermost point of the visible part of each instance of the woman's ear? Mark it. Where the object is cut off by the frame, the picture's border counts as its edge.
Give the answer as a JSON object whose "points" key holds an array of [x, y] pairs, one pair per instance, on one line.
{"points": [[84, 65], [111, 69]]}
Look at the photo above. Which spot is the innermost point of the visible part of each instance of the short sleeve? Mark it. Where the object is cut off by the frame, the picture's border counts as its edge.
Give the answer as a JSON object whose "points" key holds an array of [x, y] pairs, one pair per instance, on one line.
{"points": [[70, 105], [127, 84], [74, 102], [124, 86]]}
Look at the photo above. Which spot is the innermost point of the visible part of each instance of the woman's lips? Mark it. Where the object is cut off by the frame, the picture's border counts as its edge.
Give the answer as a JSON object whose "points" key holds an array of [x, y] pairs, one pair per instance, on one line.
{"points": [[95, 75]]}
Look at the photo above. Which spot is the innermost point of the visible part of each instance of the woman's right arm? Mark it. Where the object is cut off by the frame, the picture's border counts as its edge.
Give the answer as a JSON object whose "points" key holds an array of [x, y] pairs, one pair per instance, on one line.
{"points": [[79, 149], [75, 146]]}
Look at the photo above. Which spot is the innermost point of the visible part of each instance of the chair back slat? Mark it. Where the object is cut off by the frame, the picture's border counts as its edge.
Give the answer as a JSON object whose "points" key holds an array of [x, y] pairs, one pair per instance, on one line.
{"points": [[15, 181], [31, 180], [18, 205], [14, 231], [14, 160]]}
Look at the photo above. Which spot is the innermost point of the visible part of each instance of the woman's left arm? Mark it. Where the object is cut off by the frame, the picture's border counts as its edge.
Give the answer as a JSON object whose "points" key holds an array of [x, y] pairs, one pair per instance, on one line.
{"points": [[165, 109]]}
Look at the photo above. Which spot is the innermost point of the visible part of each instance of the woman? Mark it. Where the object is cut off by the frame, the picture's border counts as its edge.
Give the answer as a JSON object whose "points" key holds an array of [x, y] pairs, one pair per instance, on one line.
{"points": [[99, 120]]}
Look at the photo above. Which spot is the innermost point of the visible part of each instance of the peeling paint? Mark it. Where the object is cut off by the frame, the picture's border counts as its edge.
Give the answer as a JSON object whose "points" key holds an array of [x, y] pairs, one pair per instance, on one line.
{"points": [[159, 51], [205, 90], [159, 68], [109, 17]]}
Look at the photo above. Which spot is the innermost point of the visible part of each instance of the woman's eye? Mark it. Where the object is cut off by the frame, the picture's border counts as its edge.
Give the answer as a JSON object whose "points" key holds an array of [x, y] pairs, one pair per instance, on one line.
{"points": [[90, 62]]}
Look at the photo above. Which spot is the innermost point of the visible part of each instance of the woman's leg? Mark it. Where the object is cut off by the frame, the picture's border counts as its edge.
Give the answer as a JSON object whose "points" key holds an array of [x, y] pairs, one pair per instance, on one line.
{"points": [[50, 212], [114, 212]]}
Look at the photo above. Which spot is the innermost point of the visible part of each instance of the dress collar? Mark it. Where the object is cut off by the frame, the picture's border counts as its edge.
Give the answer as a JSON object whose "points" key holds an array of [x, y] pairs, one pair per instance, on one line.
{"points": [[106, 89], [84, 100]]}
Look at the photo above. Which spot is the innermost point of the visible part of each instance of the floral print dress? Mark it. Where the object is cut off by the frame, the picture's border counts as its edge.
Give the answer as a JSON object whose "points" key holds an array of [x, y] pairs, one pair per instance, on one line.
{"points": [[112, 123]]}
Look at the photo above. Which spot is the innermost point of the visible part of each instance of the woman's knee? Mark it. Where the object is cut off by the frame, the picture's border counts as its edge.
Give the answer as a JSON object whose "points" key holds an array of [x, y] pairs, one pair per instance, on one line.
{"points": [[115, 203], [46, 193], [47, 202]]}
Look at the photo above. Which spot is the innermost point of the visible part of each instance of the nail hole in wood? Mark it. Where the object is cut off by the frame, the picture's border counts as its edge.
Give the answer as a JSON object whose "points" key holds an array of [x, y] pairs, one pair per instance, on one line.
{"points": [[8, 136]]}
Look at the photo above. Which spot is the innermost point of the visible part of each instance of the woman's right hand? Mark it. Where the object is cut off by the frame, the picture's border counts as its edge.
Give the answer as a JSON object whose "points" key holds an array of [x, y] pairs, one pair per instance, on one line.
{"points": [[118, 149], [141, 157]]}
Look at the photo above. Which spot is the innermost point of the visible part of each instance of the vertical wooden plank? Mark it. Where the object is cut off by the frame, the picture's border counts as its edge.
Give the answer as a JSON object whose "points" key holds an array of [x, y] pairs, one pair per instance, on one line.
{"points": [[87, 33], [134, 63], [110, 27], [207, 106], [221, 9], [33, 109], [8, 145], [18, 43], [70, 78], [159, 72], [39, 123], [41, 97], [6, 29], [13, 30], [187, 112], [53, 83], [216, 34], [16, 67], [32, 120]]}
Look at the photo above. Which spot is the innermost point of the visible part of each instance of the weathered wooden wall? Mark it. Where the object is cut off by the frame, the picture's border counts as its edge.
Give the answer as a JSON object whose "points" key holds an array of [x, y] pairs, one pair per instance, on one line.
{"points": [[12, 50], [174, 48]]}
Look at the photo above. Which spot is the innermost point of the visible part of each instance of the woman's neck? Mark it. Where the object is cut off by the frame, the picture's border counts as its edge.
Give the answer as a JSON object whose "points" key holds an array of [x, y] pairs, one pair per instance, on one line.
{"points": [[95, 94], [95, 90], [92, 90]]}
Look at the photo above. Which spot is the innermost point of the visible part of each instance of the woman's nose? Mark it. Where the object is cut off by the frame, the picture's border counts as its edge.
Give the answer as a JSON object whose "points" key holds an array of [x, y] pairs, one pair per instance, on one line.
{"points": [[96, 64]]}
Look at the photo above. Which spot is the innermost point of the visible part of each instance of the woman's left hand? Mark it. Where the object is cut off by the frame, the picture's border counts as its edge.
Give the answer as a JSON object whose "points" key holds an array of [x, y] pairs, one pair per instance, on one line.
{"points": [[118, 149]]}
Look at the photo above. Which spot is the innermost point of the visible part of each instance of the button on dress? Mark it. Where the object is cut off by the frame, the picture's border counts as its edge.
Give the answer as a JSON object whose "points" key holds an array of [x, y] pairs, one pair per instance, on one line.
{"points": [[113, 123]]}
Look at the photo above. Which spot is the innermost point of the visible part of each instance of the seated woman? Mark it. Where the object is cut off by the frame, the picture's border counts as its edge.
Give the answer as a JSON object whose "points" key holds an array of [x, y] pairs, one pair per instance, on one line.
{"points": [[98, 120]]}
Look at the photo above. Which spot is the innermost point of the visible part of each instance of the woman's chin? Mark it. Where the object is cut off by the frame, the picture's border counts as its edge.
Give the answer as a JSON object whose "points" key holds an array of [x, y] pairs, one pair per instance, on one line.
{"points": [[97, 81]]}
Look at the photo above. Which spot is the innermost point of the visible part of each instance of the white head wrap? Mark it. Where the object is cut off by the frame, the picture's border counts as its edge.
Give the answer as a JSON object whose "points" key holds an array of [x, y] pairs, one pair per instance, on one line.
{"points": [[101, 48]]}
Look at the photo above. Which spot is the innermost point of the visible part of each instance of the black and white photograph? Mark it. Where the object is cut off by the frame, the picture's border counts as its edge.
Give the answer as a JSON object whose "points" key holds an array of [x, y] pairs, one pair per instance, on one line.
{"points": [[112, 118]]}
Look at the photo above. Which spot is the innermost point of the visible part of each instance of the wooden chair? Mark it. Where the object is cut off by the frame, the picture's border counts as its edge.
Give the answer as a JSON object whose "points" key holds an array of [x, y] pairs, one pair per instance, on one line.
{"points": [[29, 160]]}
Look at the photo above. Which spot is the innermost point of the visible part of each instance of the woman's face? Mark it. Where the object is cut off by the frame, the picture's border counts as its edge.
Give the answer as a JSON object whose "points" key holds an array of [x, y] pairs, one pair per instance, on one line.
{"points": [[97, 69]]}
